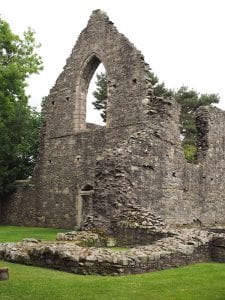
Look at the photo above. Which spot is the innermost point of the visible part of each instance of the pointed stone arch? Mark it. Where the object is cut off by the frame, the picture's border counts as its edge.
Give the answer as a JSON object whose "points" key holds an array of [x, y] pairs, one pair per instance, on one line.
{"points": [[126, 71], [88, 69]]}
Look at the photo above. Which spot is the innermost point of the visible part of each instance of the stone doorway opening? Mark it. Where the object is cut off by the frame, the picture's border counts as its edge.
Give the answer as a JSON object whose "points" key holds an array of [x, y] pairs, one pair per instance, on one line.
{"points": [[84, 204]]}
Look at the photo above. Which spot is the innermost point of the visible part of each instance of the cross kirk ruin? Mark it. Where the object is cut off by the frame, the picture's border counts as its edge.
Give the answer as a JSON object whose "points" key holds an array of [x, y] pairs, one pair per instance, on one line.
{"points": [[89, 174], [128, 180]]}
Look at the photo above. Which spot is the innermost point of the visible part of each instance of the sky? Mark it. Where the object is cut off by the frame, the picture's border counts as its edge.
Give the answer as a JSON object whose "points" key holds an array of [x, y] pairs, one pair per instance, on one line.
{"points": [[182, 40]]}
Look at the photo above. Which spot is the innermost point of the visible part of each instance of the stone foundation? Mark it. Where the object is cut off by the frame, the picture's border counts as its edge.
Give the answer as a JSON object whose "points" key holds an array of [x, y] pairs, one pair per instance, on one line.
{"points": [[187, 246]]}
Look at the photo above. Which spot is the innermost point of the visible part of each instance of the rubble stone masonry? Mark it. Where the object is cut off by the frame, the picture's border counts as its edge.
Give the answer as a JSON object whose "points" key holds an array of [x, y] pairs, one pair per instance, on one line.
{"points": [[88, 173]]}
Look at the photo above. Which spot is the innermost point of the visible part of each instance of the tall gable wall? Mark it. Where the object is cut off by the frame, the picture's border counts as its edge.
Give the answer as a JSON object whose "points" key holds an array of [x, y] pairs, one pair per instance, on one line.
{"points": [[90, 174]]}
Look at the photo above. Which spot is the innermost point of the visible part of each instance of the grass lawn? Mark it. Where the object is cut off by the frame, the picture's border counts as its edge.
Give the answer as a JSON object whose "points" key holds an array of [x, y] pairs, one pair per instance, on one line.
{"points": [[17, 233], [198, 282]]}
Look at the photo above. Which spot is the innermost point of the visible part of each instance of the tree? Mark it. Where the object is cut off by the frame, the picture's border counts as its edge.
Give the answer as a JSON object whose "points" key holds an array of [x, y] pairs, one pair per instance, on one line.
{"points": [[18, 122], [189, 100], [159, 89], [101, 95]]}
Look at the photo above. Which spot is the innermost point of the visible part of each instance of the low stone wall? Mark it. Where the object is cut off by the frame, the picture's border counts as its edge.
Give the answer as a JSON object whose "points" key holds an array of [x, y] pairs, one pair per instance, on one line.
{"points": [[185, 247]]}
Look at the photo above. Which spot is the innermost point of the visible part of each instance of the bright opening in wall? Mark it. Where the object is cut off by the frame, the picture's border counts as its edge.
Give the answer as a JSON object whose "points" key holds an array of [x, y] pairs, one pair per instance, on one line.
{"points": [[94, 115]]}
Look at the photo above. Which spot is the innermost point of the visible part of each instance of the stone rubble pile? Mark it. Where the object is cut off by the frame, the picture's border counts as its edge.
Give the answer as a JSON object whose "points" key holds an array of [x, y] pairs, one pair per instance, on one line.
{"points": [[81, 238], [135, 216]]}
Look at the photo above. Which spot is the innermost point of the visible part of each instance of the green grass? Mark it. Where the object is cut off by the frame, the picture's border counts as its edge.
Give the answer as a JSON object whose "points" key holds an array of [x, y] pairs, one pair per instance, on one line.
{"points": [[17, 233], [198, 282]]}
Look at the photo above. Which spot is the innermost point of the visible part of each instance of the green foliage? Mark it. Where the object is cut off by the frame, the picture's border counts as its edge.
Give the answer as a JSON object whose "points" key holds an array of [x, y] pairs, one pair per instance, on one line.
{"points": [[159, 89], [17, 233], [190, 100], [186, 283], [101, 95], [18, 122], [190, 152]]}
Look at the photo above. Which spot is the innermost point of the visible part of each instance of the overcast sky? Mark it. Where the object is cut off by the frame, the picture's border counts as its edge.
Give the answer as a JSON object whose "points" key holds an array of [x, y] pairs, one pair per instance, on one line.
{"points": [[182, 40]]}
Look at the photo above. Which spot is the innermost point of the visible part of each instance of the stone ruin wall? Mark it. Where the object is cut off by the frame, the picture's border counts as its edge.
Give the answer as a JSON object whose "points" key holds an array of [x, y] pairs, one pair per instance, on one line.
{"points": [[211, 125], [136, 159], [187, 246]]}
